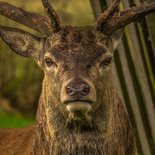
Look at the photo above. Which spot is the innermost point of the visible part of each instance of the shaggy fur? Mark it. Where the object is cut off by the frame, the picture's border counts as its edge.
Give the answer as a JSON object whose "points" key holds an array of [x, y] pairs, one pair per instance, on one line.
{"points": [[77, 54]]}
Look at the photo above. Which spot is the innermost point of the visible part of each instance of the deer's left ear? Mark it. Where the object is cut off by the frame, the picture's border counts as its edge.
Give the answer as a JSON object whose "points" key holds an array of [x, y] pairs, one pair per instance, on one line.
{"points": [[22, 42], [115, 38]]}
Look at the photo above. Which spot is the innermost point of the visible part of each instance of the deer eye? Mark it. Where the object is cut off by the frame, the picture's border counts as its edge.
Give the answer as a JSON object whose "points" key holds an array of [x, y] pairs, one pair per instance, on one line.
{"points": [[49, 62], [106, 62]]}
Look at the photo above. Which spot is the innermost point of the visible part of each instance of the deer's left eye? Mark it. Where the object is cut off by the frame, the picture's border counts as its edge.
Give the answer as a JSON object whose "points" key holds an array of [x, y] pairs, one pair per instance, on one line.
{"points": [[106, 62]]}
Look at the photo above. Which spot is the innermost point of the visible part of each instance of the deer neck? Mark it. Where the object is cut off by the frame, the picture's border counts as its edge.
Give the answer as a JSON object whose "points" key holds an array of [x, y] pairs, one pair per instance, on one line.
{"points": [[53, 137]]}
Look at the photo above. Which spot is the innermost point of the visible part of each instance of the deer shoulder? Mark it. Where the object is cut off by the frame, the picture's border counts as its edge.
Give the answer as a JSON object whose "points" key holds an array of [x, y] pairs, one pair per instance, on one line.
{"points": [[16, 141]]}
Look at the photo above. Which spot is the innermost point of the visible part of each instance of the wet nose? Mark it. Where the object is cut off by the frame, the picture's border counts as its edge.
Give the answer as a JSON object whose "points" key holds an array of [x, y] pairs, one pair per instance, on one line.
{"points": [[77, 88]]}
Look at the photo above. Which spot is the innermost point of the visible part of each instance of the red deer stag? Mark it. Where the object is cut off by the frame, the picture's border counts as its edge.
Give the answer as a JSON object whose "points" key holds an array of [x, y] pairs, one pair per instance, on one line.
{"points": [[79, 111]]}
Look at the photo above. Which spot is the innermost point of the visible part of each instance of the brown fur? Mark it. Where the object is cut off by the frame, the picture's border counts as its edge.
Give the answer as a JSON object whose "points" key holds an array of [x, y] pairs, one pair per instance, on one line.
{"points": [[16, 141], [77, 53]]}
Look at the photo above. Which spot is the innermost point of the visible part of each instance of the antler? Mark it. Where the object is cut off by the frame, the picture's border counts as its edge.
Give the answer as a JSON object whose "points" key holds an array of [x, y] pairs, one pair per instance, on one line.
{"points": [[55, 22], [30, 19], [113, 8], [123, 18]]}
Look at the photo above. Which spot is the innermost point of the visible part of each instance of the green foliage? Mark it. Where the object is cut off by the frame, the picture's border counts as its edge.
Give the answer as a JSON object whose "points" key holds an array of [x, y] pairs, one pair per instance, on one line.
{"points": [[13, 121]]}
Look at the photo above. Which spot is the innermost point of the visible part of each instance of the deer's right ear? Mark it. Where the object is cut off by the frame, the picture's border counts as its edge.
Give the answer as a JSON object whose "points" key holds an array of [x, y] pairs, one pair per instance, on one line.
{"points": [[22, 42]]}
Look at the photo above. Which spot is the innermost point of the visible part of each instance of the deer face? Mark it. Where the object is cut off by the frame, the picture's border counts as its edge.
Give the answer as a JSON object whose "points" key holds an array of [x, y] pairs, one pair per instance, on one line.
{"points": [[76, 64], [78, 61]]}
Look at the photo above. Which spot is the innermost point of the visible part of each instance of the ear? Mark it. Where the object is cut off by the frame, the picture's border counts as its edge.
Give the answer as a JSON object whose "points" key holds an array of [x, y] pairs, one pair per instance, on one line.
{"points": [[115, 38], [22, 42]]}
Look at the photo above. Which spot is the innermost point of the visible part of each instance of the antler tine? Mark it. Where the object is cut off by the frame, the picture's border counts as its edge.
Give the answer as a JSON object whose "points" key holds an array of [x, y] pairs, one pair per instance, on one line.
{"points": [[123, 18], [128, 16], [113, 8], [30, 19], [55, 22]]}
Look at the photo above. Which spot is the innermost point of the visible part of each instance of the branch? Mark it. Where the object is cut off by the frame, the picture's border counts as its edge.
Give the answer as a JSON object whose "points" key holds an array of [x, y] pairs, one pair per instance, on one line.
{"points": [[123, 18], [55, 22], [113, 8], [30, 19]]}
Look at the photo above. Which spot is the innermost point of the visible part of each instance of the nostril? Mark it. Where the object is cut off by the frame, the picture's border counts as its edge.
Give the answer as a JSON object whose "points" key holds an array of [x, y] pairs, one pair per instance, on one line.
{"points": [[85, 90], [77, 89], [70, 91]]}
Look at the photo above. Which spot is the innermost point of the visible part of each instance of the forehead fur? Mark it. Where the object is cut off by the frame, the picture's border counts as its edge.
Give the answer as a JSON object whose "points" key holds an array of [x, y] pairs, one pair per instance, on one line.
{"points": [[73, 42]]}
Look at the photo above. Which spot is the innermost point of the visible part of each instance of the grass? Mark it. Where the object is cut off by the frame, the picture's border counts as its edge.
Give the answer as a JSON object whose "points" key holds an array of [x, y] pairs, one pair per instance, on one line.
{"points": [[14, 121]]}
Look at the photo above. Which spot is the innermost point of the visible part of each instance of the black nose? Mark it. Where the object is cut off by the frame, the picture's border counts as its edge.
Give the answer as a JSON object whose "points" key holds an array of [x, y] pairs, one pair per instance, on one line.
{"points": [[77, 88]]}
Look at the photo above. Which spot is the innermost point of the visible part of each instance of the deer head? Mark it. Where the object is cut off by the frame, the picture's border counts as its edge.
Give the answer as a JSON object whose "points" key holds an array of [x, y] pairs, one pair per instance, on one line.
{"points": [[76, 61]]}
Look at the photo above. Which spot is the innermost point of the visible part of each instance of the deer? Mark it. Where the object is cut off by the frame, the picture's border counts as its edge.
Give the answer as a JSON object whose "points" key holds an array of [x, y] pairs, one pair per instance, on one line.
{"points": [[79, 110]]}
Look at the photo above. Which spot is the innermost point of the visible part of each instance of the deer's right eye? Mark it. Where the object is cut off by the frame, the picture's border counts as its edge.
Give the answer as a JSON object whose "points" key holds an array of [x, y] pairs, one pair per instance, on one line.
{"points": [[49, 62]]}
